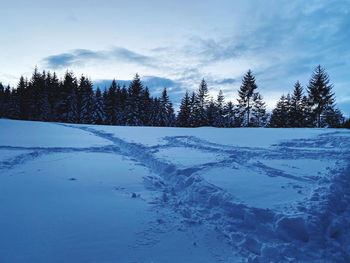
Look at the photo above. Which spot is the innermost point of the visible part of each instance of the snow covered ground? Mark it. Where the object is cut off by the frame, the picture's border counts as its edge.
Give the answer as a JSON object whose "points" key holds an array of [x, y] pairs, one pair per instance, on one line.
{"points": [[84, 193]]}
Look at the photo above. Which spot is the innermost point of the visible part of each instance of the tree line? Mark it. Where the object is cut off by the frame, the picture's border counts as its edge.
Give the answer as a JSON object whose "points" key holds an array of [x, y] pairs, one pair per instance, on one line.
{"points": [[46, 98]]}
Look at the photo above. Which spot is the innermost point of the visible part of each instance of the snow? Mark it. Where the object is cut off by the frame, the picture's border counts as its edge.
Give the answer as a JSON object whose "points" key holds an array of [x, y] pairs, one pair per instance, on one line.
{"points": [[233, 137], [84, 193], [25, 134]]}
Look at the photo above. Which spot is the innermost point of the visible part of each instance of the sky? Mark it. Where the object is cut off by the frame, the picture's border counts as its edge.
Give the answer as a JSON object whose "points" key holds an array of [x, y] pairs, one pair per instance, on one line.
{"points": [[174, 44]]}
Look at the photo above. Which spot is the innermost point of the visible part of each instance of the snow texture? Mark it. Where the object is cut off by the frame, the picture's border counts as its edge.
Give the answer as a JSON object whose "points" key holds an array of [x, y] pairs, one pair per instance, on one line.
{"points": [[84, 193]]}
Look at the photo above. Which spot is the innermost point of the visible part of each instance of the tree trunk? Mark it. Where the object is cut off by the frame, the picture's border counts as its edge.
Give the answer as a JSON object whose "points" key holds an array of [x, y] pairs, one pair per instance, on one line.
{"points": [[248, 113]]}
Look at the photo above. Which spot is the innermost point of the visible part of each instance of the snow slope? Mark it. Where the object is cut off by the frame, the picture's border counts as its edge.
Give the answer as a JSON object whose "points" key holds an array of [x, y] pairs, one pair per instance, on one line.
{"points": [[83, 193]]}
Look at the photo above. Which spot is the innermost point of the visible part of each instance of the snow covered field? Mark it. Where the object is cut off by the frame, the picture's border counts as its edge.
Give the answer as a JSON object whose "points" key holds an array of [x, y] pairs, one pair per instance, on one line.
{"points": [[83, 193]]}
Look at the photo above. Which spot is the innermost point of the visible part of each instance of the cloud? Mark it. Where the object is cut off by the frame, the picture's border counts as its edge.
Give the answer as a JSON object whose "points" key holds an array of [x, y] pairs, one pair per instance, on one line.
{"points": [[281, 42], [83, 56]]}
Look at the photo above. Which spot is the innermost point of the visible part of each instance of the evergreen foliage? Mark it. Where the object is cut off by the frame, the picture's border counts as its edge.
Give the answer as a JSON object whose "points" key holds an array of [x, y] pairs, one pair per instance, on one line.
{"points": [[46, 98], [321, 96], [246, 93]]}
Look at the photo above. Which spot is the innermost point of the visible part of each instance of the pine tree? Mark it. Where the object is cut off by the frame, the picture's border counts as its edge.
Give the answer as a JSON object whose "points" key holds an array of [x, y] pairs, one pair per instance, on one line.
{"points": [[183, 118], [212, 113], [308, 114], [229, 115], [98, 114], [320, 93], [134, 108], [35, 89], [2, 100], [347, 124], [296, 111], [201, 104], [45, 108], [166, 112], [333, 118], [110, 104], [13, 111], [245, 94], [53, 90], [22, 98], [87, 100], [67, 108], [259, 117], [123, 106], [6, 101], [219, 105], [146, 107], [281, 114], [194, 111]]}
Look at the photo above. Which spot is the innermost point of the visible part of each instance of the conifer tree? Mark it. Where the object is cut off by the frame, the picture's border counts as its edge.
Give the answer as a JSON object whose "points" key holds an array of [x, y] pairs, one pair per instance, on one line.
{"points": [[110, 104], [53, 85], [259, 117], [98, 114], [183, 118], [134, 108], [166, 114], [12, 105], [87, 100], [22, 98], [320, 93], [2, 100], [245, 94], [219, 105], [229, 115], [154, 118], [194, 111], [6, 101], [296, 112], [146, 107], [212, 113], [333, 118], [200, 104], [280, 115]]}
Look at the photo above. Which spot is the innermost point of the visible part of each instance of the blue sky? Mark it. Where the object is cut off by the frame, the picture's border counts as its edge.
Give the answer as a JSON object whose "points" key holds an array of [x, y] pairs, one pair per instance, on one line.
{"points": [[176, 43]]}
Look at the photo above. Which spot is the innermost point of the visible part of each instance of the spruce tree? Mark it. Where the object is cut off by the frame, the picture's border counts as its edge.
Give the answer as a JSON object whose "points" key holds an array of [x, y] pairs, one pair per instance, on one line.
{"points": [[219, 105], [22, 98], [280, 114], [13, 111], [53, 85], [6, 101], [320, 93], [110, 104], [166, 114], [296, 111], [229, 115], [333, 118], [212, 113], [194, 111], [87, 100], [154, 118], [2, 100], [183, 118], [201, 104], [245, 94], [98, 114], [259, 117], [146, 107], [134, 108], [67, 110]]}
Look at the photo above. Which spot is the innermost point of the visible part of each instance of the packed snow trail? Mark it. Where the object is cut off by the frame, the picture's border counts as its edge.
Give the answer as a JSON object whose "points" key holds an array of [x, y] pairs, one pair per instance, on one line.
{"points": [[297, 234]]}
